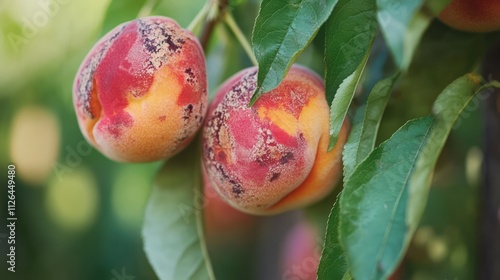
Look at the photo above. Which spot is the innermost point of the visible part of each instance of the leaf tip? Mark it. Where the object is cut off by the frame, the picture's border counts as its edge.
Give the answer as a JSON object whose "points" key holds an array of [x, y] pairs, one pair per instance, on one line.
{"points": [[333, 141], [257, 93], [474, 78]]}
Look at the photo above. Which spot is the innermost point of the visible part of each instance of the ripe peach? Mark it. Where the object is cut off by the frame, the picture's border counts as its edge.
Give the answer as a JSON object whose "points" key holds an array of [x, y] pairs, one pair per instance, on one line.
{"points": [[301, 253], [472, 15], [141, 93], [271, 157], [223, 222]]}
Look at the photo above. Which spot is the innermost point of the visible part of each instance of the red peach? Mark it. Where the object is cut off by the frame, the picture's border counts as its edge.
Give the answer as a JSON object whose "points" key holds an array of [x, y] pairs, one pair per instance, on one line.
{"points": [[271, 157], [141, 92], [223, 222], [472, 15], [301, 253]]}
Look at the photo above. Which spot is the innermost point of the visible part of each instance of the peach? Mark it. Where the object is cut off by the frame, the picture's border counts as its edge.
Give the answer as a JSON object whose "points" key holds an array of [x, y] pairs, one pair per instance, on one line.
{"points": [[301, 253], [141, 93], [223, 222], [271, 157], [472, 15]]}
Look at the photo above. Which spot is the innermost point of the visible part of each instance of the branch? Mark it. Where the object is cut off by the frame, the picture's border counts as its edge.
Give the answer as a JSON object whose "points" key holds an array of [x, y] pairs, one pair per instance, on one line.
{"points": [[209, 26], [489, 219]]}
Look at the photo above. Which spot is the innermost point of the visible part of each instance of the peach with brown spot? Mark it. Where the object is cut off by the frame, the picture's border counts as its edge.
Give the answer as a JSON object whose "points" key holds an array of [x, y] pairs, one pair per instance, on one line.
{"points": [[271, 157], [141, 92]]}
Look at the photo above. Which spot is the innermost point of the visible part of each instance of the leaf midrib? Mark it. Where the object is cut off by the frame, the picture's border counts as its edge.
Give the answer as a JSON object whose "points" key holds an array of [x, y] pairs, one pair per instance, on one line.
{"points": [[259, 89], [395, 206]]}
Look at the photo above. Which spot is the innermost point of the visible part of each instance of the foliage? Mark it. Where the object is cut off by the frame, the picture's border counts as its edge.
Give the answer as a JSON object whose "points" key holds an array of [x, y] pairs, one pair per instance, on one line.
{"points": [[405, 81]]}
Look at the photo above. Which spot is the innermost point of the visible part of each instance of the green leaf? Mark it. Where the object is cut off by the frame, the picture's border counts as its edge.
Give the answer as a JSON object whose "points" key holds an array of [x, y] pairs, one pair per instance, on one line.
{"points": [[172, 231], [120, 11], [351, 147], [347, 276], [350, 29], [447, 109], [365, 126], [282, 30], [361, 142], [333, 264], [342, 101], [433, 68], [373, 203], [403, 23]]}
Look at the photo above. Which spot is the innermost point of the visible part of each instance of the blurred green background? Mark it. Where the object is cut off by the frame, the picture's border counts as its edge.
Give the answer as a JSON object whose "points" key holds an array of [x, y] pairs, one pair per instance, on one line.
{"points": [[80, 214]]}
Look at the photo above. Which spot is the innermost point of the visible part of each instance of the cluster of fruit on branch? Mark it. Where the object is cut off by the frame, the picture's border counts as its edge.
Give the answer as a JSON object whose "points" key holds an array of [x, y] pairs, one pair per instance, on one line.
{"points": [[141, 95]]}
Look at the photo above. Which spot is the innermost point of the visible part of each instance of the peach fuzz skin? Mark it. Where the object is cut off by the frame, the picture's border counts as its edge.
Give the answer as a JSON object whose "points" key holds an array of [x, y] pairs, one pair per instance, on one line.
{"points": [[472, 15], [141, 93], [271, 157]]}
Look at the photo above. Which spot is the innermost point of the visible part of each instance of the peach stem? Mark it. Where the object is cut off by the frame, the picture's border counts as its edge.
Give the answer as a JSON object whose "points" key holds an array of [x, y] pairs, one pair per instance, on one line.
{"points": [[201, 16], [147, 8], [241, 38]]}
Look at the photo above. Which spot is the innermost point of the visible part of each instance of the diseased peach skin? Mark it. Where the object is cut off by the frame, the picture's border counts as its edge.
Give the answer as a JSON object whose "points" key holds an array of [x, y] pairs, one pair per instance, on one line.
{"points": [[141, 93], [223, 223], [472, 15], [271, 157]]}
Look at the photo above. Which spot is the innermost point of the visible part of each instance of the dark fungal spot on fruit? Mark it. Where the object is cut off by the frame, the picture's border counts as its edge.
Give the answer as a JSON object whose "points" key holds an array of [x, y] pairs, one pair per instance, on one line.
{"points": [[237, 189], [160, 40], [155, 35], [191, 78], [286, 158], [188, 111], [275, 176], [241, 92]]}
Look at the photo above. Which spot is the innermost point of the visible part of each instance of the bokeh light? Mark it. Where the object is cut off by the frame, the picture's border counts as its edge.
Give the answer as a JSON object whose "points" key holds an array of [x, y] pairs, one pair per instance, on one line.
{"points": [[473, 163], [37, 35], [437, 249], [34, 143], [72, 202]]}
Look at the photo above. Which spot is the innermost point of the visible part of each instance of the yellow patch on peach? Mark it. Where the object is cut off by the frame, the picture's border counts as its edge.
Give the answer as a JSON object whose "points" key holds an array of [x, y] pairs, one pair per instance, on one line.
{"points": [[281, 118], [311, 122], [156, 113], [156, 120], [326, 171]]}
